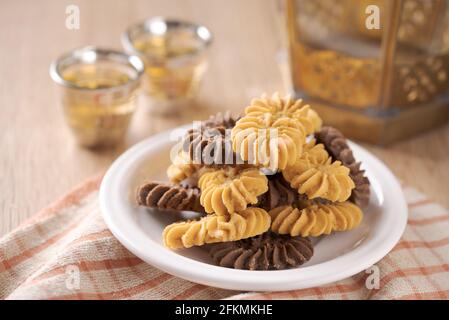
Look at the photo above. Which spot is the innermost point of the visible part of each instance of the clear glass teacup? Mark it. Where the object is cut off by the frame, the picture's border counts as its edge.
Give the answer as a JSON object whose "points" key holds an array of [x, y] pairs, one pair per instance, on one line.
{"points": [[174, 54], [99, 89]]}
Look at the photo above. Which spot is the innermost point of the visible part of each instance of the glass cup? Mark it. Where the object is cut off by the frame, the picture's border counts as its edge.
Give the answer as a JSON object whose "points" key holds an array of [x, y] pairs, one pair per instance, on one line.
{"points": [[98, 93], [174, 56]]}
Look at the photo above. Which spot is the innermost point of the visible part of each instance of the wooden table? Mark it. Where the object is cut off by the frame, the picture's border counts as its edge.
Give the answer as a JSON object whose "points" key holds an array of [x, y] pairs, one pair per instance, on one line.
{"points": [[39, 161]]}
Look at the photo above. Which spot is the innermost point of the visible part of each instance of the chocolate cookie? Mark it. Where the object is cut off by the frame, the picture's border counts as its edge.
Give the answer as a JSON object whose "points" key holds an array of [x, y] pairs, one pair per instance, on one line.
{"points": [[335, 143], [208, 144], [268, 251], [165, 196]]}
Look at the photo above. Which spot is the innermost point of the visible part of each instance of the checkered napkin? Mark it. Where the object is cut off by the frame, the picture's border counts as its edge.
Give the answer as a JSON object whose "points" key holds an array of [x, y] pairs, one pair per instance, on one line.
{"points": [[66, 252]]}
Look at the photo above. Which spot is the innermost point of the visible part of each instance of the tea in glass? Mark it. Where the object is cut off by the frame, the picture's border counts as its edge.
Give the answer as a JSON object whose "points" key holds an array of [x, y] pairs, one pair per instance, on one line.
{"points": [[99, 93], [174, 56]]}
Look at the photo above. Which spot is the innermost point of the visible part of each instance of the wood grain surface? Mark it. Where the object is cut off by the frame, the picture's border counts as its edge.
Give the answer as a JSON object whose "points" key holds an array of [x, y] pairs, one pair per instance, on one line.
{"points": [[39, 160]]}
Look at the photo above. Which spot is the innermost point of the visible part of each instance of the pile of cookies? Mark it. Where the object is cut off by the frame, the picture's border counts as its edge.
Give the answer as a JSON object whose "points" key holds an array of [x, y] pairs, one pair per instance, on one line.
{"points": [[264, 183]]}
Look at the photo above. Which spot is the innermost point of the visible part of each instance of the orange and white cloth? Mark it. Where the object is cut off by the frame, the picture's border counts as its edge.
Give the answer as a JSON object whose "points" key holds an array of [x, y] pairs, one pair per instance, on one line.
{"points": [[39, 259]]}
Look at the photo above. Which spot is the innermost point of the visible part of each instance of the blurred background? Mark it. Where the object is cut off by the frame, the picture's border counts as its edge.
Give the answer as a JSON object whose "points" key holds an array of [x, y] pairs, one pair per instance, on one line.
{"points": [[40, 160]]}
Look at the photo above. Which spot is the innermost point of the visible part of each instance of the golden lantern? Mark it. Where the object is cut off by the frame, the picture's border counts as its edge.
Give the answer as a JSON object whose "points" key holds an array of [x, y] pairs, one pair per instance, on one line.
{"points": [[376, 82]]}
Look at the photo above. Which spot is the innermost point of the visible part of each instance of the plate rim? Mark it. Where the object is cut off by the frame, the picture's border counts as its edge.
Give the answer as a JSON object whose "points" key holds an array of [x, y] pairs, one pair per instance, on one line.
{"points": [[193, 270]]}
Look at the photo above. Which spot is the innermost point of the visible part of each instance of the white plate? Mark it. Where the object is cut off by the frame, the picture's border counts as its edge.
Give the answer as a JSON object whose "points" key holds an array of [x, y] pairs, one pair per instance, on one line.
{"points": [[336, 257]]}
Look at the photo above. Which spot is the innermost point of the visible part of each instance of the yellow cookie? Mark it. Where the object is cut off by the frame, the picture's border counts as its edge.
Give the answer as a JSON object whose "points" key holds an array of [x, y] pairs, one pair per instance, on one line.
{"points": [[214, 228], [315, 175], [231, 189], [182, 168], [286, 107], [273, 131], [315, 220]]}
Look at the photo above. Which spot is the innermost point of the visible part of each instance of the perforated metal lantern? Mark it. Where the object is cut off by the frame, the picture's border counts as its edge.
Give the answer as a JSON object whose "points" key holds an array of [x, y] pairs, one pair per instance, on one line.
{"points": [[376, 84]]}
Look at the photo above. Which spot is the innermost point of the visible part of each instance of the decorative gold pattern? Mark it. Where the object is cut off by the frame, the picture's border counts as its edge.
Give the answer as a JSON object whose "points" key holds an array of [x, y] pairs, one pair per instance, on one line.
{"points": [[420, 59], [335, 76], [422, 81]]}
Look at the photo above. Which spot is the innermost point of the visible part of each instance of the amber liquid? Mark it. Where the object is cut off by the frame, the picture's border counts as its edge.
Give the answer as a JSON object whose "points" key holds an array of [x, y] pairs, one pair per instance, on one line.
{"points": [[172, 68], [98, 117]]}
